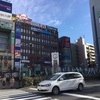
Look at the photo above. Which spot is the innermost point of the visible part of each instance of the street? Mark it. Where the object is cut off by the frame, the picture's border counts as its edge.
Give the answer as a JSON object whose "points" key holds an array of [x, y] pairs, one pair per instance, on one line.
{"points": [[91, 92]]}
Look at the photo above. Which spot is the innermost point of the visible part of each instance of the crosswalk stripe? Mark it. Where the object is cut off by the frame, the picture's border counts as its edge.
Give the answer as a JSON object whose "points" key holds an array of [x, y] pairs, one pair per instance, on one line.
{"points": [[12, 93], [21, 95], [81, 96], [45, 98], [22, 98]]}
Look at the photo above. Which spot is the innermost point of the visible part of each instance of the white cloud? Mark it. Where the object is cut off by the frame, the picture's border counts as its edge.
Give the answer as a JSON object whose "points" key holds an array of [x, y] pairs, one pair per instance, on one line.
{"points": [[55, 22], [47, 12]]}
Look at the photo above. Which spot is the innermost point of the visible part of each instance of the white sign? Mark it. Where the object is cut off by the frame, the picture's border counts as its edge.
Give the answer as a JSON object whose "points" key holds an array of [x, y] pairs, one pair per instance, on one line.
{"points": [[6, 23], [18, 42], [5, 15], [55, 62], [55, 56], [25, 61]]}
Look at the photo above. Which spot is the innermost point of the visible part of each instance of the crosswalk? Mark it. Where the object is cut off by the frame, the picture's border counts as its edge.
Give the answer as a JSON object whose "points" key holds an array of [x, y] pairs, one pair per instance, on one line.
{"points": [[21, 95]]}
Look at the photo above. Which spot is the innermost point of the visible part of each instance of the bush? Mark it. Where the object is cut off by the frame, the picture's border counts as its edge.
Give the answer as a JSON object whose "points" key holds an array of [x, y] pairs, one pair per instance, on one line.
{"points": [[27, 81], [38, 79]]}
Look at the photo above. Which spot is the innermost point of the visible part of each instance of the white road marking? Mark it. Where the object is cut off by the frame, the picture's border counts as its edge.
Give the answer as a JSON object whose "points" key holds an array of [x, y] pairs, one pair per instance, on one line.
{"points": [[20, 95], [33, 88], [81, 96], [45, 98]]}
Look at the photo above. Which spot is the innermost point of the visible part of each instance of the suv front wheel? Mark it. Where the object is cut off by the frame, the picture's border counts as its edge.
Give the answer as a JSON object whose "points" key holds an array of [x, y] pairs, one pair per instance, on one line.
{"points": [[55, 90]]}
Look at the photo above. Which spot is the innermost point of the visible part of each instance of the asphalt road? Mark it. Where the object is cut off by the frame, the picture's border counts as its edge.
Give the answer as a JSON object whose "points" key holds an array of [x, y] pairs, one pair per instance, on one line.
{"points": [[91, 92]]}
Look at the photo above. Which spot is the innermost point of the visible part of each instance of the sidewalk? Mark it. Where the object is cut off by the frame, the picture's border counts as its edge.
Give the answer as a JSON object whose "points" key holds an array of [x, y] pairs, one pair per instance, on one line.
{"points": [[16, 86]]}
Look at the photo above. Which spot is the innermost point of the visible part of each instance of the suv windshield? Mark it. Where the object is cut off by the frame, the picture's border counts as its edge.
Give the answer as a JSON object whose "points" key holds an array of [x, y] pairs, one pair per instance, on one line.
{"points": [[54, 77]]}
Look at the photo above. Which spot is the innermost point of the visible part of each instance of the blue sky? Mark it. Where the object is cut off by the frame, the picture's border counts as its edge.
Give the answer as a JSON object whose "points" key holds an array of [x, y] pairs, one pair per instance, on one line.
{"points": [[71, 17]]}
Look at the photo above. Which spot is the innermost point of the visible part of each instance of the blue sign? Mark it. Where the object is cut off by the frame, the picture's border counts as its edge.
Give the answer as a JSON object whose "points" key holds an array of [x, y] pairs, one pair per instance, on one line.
{"points": [[17, 46], [5, 6], [41, 31], [18, 33]]}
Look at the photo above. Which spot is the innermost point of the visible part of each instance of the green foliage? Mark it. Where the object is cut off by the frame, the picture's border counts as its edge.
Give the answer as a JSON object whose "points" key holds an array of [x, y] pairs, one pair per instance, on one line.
{"points": [[38, 79], [27, 81]]}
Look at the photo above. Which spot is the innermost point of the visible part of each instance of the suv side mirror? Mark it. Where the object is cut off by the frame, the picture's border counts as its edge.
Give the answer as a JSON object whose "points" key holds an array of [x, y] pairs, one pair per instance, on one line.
{"points": [[61, 79]]}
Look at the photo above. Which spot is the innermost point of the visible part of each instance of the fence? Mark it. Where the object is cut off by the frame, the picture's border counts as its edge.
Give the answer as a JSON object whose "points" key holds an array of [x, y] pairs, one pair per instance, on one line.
{"points": [[83, 70]]}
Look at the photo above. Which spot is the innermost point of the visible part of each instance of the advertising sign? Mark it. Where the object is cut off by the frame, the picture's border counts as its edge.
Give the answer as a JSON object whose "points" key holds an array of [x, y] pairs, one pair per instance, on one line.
{"points": [[12, 48], [38, 25], [65, 42], [17, 42], [5, 15], [7, 24], [17, 54], [51, 28], [17, 66], [40, 30], [22, 16], [5, 6], [18, 32], [17, 45]]}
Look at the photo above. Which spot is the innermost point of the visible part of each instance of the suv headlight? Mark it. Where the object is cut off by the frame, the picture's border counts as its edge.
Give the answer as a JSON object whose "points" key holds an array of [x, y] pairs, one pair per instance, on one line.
{"points": [[47, 85]]}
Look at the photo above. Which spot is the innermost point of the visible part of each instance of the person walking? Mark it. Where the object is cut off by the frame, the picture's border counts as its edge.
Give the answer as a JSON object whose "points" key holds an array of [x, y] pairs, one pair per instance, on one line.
{"points": [[3, 80], [12, 82]]}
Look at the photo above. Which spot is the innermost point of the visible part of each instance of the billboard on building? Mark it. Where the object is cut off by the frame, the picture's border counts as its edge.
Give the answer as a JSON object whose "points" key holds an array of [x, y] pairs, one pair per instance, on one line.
{"points": [[5, 6], [65, 42], [12, 48], [17, 42], [40, 30], [51, 28], [6, 24], [18, 32], [17, 49], [38, 25], [5, 15]]}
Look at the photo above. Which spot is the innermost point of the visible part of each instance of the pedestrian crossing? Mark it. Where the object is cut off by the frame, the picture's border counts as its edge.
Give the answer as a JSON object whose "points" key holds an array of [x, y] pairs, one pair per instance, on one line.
{"points": [[21, 95]]}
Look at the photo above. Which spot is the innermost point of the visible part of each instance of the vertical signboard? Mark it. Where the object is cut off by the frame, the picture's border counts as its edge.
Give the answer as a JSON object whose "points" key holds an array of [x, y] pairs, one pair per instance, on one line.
{"points": [[55, 62], [65, 42], [12, 41], [17, 52]]}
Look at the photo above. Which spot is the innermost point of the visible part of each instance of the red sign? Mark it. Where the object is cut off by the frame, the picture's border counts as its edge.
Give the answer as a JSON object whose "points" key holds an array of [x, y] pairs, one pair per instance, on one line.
{"points": [[22, 16], [12, 49]]}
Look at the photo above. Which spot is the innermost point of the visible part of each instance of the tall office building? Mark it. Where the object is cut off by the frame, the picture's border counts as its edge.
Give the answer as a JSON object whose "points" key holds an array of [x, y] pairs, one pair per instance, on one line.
{"points": [[25, 45], [6, 37], [95, 19], [34, 44], [65, 53], [86, 53]]}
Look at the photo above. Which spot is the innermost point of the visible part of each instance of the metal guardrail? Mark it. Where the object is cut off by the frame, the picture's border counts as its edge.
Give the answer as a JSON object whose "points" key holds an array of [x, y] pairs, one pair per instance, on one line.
{"points": [[84, 71]]}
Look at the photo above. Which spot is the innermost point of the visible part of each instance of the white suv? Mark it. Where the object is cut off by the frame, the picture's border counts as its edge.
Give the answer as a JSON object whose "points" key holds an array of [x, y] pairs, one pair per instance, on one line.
{"points": [[62, 81]]}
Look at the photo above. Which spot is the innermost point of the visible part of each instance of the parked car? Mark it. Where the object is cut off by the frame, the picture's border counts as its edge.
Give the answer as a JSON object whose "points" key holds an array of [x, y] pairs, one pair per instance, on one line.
{"points": [[62, 81]]}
